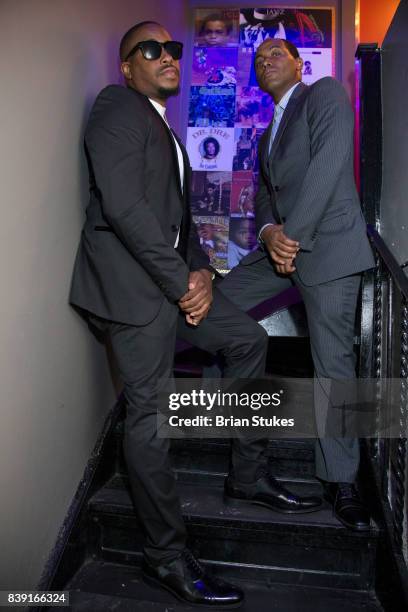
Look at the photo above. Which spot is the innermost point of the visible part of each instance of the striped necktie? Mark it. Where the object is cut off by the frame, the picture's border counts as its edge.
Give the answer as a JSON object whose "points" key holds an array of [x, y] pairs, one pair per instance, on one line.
{"points": [[277, 114]]}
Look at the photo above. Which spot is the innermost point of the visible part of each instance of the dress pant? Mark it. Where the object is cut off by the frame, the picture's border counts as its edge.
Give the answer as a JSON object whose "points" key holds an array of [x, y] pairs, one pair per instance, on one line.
{"points": [[145, 356], [331, 309]]}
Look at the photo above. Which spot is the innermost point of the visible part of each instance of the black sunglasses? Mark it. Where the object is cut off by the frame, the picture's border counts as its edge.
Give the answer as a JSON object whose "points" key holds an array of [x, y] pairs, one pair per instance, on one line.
{"points": [[152, 49]]}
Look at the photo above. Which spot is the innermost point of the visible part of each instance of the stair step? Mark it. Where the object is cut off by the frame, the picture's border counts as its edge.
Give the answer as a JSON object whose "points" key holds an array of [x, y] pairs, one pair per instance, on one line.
{"points": [[201, 461], [247, 541], [213, 469], [101, 586], [206, 460]]}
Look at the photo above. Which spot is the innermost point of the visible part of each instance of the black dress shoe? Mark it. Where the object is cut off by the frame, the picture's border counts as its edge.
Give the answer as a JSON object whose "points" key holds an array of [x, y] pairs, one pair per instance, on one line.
{"points": [[347, 505], [266, 491], [187, 580]]}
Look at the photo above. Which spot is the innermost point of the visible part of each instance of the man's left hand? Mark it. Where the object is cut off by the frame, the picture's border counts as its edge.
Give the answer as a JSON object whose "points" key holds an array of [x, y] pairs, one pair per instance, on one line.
{"points": [[196, 303], [286, 268]]}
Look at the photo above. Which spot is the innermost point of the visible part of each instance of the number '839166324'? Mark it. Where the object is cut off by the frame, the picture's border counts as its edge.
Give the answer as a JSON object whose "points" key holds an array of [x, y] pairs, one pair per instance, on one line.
{"points": [[52, 598]]}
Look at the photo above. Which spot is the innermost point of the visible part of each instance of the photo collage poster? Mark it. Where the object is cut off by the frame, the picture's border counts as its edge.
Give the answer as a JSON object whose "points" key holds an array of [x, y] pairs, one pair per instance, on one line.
{"points": [[228, 113]]}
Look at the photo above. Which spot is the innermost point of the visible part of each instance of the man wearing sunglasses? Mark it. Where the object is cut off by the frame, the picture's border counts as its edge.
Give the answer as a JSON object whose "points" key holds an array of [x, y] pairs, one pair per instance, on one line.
{"points": [[141, 277]]}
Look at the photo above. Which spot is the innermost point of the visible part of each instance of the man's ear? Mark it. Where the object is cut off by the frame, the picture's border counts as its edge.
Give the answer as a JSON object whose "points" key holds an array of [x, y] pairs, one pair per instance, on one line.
{"points": [[300, 64], [125, 70]]}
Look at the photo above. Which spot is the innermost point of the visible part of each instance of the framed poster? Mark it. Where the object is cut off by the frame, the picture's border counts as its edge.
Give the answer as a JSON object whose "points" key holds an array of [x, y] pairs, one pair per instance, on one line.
{"points": [[228, 113]]}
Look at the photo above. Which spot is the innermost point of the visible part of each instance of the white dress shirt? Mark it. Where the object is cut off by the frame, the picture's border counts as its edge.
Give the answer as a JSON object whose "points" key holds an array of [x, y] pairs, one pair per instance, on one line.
{"points": [[162, 111]]}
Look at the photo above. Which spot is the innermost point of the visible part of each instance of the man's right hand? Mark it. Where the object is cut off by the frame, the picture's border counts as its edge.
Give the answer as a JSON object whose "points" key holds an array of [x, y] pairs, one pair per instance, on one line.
{"points": [[196, 303], [282, 249]]}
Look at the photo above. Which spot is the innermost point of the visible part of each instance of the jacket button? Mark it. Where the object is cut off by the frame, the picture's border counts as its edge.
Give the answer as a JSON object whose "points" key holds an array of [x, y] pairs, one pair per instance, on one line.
{"points": [[276, 187], [175, 228], [283, 219]]}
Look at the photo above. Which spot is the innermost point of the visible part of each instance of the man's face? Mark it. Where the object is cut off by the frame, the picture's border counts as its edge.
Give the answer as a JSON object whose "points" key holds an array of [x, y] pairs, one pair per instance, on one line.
{"points": [[158, 79], [210, 148], [242, 236], [206, 231], [276, 69], [215, 33]]}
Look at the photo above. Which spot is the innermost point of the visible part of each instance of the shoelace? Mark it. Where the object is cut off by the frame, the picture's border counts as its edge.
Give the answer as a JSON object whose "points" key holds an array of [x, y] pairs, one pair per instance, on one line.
{"points": [[263, 470], [192, 562]]}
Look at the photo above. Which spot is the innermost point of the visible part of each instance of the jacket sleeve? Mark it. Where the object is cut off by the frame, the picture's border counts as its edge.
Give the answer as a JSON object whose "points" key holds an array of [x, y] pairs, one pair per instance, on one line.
{"points": [[331, 122], [116, 142]]}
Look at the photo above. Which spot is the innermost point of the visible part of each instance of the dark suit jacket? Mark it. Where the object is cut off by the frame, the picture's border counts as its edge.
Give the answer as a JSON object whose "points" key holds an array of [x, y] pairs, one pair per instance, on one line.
{"points": [[307, 183], [126, 262]]}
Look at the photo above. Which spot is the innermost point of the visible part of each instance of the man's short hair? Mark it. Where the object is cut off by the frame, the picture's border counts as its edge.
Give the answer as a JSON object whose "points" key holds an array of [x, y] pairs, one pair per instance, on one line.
{"points": [[293, 50], [126, 43], [215, 17]]}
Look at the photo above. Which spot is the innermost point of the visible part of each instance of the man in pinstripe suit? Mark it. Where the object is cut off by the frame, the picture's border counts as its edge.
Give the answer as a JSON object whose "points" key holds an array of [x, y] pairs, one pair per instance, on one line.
{"points": [[312, 234]]}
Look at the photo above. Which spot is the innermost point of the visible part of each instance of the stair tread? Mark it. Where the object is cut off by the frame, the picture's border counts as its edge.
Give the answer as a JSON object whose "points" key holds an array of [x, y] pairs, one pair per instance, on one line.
{"points": [[101, 586], [218, 464], [208, 460], [205, 503]]}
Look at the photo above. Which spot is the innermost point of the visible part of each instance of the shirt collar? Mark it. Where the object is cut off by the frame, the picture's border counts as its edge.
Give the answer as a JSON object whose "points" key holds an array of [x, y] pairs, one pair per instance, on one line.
{"points": [[159, 107], [283, 102]]}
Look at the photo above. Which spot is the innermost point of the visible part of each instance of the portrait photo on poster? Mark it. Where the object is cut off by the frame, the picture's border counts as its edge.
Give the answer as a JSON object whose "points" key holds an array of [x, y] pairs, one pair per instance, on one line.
{"points": [[246, 149], [213, 234], [254, 108], [210, 148], [216, 27], [241, 240], [211, 193], [243, 190]]}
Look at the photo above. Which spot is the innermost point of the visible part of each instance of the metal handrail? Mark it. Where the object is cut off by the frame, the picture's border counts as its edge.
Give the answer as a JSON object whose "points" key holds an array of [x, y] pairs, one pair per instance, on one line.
{"points": [[385, 346], [388, 258]]}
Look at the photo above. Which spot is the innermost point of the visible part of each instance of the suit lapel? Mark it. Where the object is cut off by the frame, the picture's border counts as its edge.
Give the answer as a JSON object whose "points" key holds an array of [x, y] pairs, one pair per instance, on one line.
{"points": [[173, 149], [264, 152], [294, 100], [175, 160]]}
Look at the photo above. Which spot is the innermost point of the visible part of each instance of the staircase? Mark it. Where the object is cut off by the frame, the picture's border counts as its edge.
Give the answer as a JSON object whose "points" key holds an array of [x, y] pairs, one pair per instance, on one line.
{"points": [[284, 563]]}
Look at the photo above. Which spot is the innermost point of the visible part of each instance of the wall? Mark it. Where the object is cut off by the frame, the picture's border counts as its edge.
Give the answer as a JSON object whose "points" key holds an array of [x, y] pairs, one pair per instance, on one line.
{"points": [[394, 197], [375, 18], [55, 384]]}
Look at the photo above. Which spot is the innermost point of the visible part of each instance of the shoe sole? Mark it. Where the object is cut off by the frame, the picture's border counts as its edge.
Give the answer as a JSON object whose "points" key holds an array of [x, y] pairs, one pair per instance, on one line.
{"points": [[342, 521], [154, 582], [231, 501]]}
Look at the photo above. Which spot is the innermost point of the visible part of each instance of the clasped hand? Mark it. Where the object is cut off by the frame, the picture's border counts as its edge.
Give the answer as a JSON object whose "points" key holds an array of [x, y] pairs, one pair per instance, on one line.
{"points": [[196, 303], [282, 249]]}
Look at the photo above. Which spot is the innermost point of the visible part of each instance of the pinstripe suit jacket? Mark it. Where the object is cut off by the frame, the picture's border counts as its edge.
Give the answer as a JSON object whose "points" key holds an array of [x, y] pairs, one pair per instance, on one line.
{"points": [[307, 183]]}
